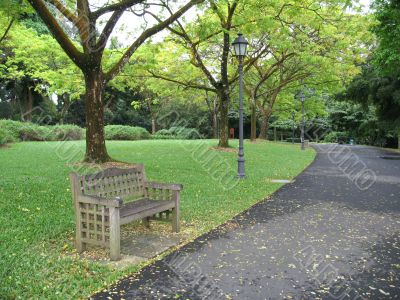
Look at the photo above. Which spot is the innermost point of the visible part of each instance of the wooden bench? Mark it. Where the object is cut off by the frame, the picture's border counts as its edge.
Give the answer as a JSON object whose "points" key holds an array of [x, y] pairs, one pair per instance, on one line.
{"points": [[106, 200]]}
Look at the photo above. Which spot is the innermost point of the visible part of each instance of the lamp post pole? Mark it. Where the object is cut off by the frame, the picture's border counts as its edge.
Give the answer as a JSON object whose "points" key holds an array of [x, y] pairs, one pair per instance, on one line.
{"points": [[241, 173], [302, 98], [240, 47]]}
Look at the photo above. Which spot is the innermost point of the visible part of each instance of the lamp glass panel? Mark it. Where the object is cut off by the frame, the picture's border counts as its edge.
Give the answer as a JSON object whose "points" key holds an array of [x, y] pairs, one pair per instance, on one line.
{"points": [[236, 47], [243, 47]]}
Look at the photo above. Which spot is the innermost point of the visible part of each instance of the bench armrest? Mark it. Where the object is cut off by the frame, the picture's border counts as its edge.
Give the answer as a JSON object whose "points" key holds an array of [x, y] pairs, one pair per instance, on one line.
{"points": [[116, 202], [164, 186]]}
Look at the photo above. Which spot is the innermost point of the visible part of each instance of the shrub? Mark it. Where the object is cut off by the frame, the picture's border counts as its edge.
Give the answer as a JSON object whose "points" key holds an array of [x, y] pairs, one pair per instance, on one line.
{"points": [[12, 127], [336, 137], [33, 132], [6, 136], [163, 134], [181, 133], [185, 133], [67, 132], [128, 133], [26, 131]]}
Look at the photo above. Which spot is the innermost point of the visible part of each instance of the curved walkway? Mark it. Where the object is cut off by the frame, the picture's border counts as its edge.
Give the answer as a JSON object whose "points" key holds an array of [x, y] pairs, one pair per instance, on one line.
{"points": [[331, 234]]}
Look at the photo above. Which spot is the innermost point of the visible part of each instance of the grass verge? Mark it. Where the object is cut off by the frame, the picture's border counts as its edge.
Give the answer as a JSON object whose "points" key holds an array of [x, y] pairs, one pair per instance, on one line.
{"points": [[37, 217]]}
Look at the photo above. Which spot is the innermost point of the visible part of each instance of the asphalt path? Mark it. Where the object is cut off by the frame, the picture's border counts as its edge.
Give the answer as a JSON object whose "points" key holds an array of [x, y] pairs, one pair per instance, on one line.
{"points": [[333, 233]]}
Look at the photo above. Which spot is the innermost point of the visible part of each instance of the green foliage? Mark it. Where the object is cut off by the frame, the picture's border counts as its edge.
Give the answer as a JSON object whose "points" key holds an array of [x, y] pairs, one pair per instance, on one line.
{"points": [[177, 132], [25, 59], [13, 127], [163, 134], [25, 131], [119, 110], [387, 29], [383, 92], [37, 258], [189, 115], [375, 115], [126, 133], [33, 132], [336, 137], [6, 136], [67, 132]]}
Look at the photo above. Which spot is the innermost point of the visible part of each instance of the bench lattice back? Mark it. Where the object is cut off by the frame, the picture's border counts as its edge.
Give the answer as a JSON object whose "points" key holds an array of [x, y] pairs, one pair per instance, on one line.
{"points": [[115, 182]]}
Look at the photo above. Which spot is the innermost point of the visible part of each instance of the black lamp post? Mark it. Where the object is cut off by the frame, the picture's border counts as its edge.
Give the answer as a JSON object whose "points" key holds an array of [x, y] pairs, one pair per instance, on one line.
{"points": [[240, 46]]}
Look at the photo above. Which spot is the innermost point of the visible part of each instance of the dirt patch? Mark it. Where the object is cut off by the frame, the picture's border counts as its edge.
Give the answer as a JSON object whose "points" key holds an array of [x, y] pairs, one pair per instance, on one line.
{"points": [[139, 244], [5, 146]]}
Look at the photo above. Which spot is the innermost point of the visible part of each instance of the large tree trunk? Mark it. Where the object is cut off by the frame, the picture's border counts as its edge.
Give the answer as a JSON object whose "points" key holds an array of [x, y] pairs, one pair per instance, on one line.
{"points": [[223, 120], [253, 133], [96, 151], [264, 126]]}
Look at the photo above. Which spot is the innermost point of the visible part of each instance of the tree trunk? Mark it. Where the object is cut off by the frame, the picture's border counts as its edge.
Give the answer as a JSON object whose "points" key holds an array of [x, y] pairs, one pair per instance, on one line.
{"points": [[223, 121], [64, 108], [253, 134], [264, 126], [215, 118], [215, 124], [29, 106], [96, 151], [153, 125]]}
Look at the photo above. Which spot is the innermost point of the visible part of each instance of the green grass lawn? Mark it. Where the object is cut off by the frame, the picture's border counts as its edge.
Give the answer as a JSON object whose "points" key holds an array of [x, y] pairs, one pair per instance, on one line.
{"points": [[37, 220]]}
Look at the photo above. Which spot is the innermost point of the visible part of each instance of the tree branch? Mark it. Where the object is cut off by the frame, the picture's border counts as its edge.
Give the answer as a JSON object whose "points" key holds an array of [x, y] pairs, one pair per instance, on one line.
{"points": [[122, 5], [7, 29], [185, 84], [58, 33], [65, 11], [105, 35], [145, 35]]}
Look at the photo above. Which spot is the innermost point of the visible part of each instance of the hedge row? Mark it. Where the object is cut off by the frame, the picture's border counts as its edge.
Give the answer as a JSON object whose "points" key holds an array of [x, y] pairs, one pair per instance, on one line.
{"points": [[14, 131]]}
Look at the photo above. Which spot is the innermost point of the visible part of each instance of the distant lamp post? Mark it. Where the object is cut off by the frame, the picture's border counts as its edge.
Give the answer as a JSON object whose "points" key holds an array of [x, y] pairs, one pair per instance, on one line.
{"points": [[240, 47]]}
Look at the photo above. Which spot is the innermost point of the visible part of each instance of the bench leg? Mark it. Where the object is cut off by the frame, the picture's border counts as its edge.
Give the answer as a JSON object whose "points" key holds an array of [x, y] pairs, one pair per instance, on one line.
{"points": [[175, 220], [146, 222], [115, 250], [176, 212], [80, 246]]}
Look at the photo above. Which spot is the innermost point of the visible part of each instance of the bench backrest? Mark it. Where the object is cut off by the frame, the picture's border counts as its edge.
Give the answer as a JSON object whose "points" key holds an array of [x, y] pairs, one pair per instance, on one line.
{"points": [[115, 182]]}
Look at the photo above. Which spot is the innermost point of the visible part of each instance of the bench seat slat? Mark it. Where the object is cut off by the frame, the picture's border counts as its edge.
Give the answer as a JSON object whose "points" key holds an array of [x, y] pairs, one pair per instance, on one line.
{"points": [[143, 208]]}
